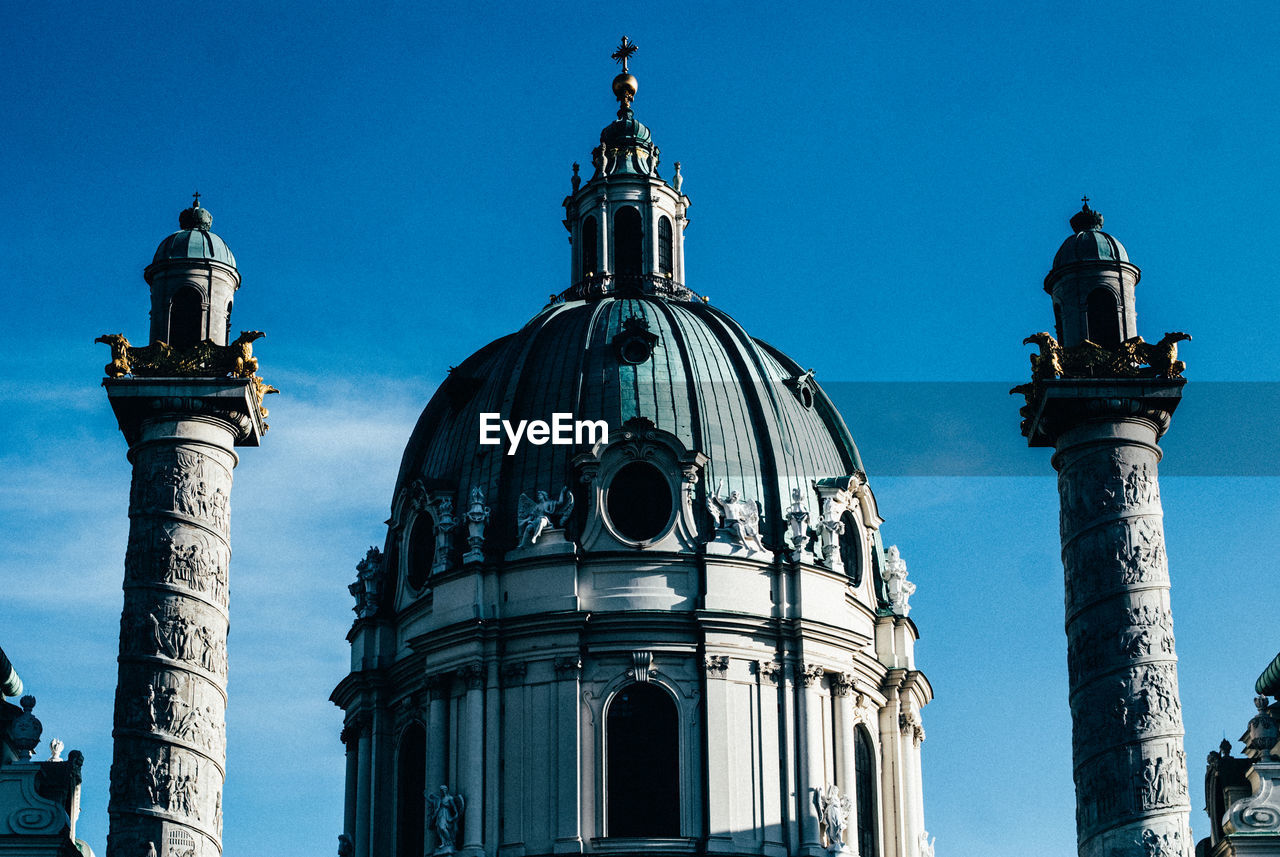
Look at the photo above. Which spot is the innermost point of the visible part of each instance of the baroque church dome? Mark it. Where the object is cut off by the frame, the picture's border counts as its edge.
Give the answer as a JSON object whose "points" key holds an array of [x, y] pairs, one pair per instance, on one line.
{"points": [[632, 558], [689, 369]]}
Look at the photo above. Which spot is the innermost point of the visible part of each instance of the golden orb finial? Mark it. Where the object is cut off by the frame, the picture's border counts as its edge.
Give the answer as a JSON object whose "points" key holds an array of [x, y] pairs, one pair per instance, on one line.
{"points": [[625, 84]]}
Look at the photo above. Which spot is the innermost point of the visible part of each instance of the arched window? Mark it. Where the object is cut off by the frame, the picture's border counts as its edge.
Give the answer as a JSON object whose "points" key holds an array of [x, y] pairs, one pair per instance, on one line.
{"points": [[1103, 320], [590, 247], [851, 549], [643, 744], [422, 550], [228, 321], [1057, 320], [664, 246], [411, 783], [628, 241], [864, 764], [185, 311]]}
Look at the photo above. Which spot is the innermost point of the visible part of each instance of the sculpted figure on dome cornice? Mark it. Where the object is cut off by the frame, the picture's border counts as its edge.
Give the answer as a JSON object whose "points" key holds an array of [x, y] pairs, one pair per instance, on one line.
{"points": [[416, 496], [444, 523], [535, 516], [367, 588], [832, 527], [737, 517], [899, 588], [478, 515], [798, 521]]}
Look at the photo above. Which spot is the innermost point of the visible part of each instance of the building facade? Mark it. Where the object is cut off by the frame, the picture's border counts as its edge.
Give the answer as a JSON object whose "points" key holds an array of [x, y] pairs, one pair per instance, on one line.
{"points": [[665, 620]]}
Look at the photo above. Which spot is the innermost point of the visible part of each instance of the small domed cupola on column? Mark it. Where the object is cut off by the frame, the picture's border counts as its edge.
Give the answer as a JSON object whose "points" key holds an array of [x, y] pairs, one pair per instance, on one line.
{"points": [[626, 224], [193, 281], [1092, 285]]}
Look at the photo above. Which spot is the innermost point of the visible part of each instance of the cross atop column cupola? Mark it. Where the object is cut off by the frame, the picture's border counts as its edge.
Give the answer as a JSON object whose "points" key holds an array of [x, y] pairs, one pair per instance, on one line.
{"points": [[626, 224]]}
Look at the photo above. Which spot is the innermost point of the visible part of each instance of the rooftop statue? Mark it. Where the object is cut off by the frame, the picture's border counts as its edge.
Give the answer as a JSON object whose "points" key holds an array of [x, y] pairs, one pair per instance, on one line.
{"points": [[738, 517], [534, 516]]}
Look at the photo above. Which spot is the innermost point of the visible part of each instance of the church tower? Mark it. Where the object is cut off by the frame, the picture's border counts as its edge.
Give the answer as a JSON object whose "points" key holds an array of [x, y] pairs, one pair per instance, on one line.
{"points": [[1102, 397], [184, 403], [667, 625]]}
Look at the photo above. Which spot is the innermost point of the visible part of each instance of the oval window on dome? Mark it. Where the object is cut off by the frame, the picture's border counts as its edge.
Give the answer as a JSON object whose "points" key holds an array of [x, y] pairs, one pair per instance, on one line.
{"points": [[638, 502]]}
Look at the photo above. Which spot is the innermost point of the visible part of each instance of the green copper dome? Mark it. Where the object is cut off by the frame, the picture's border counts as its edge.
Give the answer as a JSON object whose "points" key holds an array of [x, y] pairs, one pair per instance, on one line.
{"points": [[1088, 243], [194, 240], [687, 367]]}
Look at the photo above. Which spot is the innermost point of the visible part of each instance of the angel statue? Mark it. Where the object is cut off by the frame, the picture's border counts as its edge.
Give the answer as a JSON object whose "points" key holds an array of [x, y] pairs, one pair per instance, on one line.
{"points": [[534, 516], [445, 813], [741, 518], [833, 810]]}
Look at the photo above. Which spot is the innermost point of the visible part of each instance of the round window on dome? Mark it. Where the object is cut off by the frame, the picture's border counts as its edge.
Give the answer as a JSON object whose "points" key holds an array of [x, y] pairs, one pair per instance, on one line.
{"points": [[639, 502], [635, 351]]}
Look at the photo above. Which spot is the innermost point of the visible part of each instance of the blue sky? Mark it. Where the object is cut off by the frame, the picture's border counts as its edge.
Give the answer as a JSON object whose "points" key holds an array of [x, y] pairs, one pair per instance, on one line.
{"points": [[878, 190]]}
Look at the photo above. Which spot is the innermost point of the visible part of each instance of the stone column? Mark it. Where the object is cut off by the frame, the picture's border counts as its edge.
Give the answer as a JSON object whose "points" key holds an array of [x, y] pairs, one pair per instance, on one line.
{"points": [[893, 827], [472, 770], [810, 753], [437, 732], [912, 798], [350, 740], [844, 691], [771, 775], [568, 754], [169, 726], [788, 759], [364, 791], [720, 784], [493, 741], [1130, 771]]}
